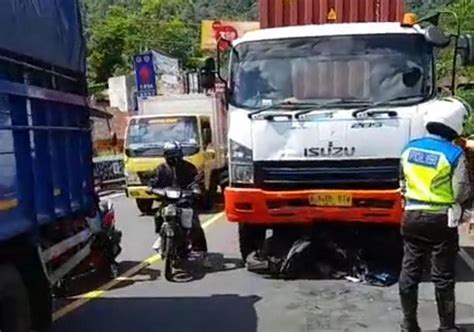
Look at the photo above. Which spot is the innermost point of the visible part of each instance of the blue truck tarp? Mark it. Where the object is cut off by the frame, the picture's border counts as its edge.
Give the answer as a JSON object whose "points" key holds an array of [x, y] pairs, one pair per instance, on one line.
{"points": [[46, 170], [46, 30]]}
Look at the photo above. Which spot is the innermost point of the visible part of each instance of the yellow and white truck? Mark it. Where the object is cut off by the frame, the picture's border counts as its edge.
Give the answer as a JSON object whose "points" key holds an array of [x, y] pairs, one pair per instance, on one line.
{"points": [[194, 120]]}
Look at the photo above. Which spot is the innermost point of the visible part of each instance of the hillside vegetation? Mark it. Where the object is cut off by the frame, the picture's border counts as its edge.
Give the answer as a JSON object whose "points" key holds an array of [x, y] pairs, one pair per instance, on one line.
{"points": [[118, 29]]}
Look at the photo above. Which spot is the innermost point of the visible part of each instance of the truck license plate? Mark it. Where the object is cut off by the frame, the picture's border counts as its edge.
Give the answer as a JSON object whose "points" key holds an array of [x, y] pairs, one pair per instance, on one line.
{"points": [[337, 199], [116, 168]]}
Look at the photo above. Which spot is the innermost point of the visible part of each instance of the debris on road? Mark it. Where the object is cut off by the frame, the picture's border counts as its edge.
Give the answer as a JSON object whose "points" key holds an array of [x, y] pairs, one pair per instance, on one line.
{"points": [[333, 253], [381, 279], [352, 279]]}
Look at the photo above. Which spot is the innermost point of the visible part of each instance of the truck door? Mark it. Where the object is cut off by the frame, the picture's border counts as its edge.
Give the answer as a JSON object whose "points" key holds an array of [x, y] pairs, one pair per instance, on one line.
{"points": [[208, 149]]}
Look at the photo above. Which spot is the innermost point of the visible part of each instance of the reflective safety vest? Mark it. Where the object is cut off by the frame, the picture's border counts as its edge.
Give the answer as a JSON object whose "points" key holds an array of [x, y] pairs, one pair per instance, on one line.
{"points": [[428, 165]]}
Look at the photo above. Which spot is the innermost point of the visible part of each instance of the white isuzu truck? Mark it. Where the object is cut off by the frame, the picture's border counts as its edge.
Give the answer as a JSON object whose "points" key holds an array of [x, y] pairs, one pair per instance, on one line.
{"points": [[319, 115]]}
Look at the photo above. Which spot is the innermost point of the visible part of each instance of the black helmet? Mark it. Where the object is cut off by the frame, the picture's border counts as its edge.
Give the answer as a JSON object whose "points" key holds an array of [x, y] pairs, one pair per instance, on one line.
{"points": [[173, 151]]}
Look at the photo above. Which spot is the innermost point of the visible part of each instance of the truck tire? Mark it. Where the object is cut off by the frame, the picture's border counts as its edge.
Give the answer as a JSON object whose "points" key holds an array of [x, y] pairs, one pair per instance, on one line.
{"points": [[209, 198], [224, 180], [14, 303], [145, 205], [39, 292], [251, 238]]}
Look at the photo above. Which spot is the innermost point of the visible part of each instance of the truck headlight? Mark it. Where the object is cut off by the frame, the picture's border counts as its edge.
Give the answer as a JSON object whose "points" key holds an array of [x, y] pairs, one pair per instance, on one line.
{"points": [[241, 173], [132, 178], [239, 153]]}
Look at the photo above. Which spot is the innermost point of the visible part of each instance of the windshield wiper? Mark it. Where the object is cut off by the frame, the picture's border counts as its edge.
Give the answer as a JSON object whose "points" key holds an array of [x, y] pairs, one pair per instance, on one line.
{"points": [[340, 101], [284, 103], [388, 102]]}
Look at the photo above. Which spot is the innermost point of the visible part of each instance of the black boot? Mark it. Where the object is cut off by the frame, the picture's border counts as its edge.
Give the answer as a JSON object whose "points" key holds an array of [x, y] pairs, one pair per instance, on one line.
{"points": [[409, 301], [446, 302]]}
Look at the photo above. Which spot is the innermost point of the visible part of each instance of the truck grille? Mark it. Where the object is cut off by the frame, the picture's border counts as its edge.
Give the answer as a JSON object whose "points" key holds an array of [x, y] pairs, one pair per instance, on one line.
{"points": [[341, 174]]}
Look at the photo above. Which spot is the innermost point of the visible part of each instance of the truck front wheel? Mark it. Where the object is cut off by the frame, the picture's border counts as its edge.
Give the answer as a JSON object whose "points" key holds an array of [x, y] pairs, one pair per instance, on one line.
{"points": [[14, 303], [251, 238], [145, 205]]}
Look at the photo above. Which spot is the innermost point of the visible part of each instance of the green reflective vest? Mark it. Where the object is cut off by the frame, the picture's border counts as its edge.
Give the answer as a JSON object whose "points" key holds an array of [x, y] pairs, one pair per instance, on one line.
{"points": [[428, 165]]}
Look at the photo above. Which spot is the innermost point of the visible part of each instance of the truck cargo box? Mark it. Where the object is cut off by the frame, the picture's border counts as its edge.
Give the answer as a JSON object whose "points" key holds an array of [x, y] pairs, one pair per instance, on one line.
{"points": [[46, 149], [47, 31], [45, 162], [279, 13]]}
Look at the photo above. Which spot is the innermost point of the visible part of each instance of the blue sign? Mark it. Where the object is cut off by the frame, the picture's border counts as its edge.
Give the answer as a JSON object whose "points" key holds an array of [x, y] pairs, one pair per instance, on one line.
{"points": [[145, 75]]}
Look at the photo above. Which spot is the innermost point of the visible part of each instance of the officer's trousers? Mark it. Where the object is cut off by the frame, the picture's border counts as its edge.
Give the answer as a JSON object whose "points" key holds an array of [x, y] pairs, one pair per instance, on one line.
{"points": [[427, 235]]}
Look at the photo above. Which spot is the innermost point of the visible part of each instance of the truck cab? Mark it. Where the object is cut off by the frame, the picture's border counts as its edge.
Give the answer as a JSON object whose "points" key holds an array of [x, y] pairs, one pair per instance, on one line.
{"points": [[318, 118], [195, 127]]}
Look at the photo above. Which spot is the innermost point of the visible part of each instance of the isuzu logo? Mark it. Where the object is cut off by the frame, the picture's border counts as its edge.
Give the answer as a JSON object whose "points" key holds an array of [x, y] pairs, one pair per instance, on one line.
{"points": [[330, 151]]}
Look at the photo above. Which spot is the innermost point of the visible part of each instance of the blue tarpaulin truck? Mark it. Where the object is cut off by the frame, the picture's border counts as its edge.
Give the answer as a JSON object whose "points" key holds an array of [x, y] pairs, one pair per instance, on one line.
{"points": [[46, 170]]}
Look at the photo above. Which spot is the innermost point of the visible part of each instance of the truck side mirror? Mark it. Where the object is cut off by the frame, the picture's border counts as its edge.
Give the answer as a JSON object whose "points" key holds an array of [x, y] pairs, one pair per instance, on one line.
{"points": [[466, 49], [210, 65], [208, 74], [436, 37], [222, 45], [206, 137]]}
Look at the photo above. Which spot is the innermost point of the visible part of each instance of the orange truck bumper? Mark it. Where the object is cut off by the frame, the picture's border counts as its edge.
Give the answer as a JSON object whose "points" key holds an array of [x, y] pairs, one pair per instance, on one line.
{"points": [[249, 205]]}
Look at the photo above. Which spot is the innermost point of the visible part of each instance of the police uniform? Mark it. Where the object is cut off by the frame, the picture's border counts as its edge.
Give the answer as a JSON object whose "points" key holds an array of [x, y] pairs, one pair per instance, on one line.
{"points": [[434, 178]]}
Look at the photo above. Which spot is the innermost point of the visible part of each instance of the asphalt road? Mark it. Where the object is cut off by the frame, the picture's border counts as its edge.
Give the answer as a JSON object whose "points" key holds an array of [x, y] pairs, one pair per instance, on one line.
{"points": [[230, 299]]}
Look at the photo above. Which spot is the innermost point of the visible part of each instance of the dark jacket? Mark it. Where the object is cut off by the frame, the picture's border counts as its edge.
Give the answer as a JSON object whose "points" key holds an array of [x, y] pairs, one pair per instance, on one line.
{"points": [[181, 175]]}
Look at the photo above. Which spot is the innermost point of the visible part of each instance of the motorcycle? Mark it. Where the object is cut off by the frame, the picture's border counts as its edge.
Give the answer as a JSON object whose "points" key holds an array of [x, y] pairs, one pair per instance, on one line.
{"points": [[176, 213], [107, 240], [105, 248]]}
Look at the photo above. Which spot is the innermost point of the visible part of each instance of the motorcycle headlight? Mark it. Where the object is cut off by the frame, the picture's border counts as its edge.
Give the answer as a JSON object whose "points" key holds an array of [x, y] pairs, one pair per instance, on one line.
{"points": [[170, 211], [241, 173], [173, 193], [132, 178], [239, 153]]}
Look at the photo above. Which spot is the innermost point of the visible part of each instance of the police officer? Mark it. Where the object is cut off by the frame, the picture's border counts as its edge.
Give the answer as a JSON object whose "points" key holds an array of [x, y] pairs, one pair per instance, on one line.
{"points": [[178, 172], [434, 179]]}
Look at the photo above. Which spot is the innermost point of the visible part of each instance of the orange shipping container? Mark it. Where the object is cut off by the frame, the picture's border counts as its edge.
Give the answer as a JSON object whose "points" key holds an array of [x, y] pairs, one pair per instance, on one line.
{"points": [[278, 13]]}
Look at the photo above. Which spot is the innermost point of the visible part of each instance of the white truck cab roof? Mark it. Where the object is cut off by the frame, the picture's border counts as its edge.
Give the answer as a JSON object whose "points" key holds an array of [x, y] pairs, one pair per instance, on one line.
{"points": [[321, 30], [182, 104]]}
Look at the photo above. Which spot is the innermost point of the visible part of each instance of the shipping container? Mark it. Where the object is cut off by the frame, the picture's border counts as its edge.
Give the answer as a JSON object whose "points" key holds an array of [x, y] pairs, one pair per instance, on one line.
{"points": [[279, 13]]}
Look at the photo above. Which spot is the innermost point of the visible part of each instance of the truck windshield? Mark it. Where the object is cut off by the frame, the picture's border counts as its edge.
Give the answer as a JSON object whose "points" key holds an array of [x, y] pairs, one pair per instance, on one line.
{"points": [[147, 136], [365, 68]]}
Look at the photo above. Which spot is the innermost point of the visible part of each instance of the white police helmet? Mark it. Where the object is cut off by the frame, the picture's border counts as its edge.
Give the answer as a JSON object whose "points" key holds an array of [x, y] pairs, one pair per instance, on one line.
{"points": [[452, 114]]}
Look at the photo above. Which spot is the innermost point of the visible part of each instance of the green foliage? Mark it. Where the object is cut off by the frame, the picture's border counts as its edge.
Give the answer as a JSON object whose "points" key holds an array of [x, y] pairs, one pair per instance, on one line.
{"points": [[465, 11], [468, 96], [111, 44], [118, 29], [424, 7]]}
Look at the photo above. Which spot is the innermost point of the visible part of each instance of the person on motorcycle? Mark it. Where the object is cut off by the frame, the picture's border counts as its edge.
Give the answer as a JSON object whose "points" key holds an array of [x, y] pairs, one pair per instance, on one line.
{"points": [[177, 172]]}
